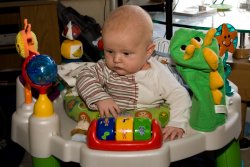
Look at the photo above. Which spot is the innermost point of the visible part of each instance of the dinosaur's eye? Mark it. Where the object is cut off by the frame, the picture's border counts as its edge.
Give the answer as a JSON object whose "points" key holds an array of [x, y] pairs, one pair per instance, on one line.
{"points": [[183, 48], [198, 39]]}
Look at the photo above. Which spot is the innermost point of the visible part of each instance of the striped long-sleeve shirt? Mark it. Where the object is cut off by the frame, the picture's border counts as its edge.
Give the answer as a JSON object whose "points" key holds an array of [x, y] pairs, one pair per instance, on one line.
{"points": [[144, 89]]}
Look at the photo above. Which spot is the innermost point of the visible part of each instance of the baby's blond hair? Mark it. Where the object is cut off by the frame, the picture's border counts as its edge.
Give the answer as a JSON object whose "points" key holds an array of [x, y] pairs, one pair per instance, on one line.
{"points": [[129, 18]]}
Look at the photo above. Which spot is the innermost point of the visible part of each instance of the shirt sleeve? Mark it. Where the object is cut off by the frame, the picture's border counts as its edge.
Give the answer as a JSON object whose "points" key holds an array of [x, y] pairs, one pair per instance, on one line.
{"points": [[177, 97], [90, 84]]}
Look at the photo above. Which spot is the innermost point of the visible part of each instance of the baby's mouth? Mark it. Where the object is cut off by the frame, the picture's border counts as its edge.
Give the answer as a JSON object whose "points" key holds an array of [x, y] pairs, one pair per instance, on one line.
{"points": [[117, 68]]}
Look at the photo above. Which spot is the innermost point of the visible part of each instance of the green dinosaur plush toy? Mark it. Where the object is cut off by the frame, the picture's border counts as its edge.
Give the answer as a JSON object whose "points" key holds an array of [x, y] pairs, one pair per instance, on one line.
{"points": [[197, 59]]}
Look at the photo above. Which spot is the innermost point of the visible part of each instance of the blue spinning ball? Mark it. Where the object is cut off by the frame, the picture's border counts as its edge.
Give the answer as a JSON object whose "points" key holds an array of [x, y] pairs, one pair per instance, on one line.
{"points": [[42, 70]]}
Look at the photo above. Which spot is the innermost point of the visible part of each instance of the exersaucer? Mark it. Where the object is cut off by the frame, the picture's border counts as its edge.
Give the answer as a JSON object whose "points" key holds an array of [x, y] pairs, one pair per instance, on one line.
{"points": [[44, 131], [48, 137]]}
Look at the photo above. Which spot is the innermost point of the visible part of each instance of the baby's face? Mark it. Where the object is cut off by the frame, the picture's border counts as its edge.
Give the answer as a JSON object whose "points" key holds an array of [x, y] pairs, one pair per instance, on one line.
{"points": [[126, 53]]}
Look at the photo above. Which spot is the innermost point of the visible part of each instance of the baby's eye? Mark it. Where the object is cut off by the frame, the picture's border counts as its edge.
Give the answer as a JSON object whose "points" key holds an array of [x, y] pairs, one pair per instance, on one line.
{"points": [[200, 40], [126, 53], [109, 51]]}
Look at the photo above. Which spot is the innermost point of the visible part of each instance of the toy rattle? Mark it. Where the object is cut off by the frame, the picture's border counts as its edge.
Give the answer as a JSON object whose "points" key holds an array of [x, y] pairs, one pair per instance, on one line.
{"points": [[26, 44], [38, 71]]}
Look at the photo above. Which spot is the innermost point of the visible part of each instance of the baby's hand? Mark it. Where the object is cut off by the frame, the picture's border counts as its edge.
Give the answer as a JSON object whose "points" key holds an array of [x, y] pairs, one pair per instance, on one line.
{"points": [[107, 107], [172, 133]]}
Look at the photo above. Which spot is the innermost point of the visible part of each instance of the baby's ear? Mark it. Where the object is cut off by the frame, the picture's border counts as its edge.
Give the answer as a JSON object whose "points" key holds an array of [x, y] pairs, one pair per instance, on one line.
{"points": [[150, 49]]}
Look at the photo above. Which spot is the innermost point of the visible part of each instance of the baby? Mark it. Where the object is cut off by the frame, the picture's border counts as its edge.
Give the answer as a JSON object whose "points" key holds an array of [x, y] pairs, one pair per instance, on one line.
{"points": [[129, 78]]}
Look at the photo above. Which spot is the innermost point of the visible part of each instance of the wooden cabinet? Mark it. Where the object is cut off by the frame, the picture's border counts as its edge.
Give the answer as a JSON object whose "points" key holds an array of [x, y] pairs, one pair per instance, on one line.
{"points": [[240, 76], [42, 15]]}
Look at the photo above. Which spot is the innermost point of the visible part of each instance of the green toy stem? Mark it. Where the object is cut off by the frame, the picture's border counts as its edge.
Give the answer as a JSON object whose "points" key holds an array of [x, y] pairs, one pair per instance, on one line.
{"points": [[45, 162]]}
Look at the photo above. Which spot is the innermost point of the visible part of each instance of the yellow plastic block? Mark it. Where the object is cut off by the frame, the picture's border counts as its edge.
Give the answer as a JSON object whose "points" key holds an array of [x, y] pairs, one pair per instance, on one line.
{"points": [[124, 128]]}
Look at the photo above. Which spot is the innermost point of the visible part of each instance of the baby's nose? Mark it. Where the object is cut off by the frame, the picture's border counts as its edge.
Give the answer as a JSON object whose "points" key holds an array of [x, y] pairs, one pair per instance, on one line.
{"points": [[117, 58]]}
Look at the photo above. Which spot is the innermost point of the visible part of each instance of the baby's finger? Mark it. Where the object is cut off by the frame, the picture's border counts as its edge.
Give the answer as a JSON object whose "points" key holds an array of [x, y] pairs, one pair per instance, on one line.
{"points": [[114, 113], [173, 135], [179, 135], [166, 135], [107, 113], [118, 110], [101, 113]]}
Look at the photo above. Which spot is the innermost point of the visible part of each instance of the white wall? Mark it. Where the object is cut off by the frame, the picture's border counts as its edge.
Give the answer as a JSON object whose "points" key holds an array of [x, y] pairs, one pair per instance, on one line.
{"points": [[92, 8]]}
